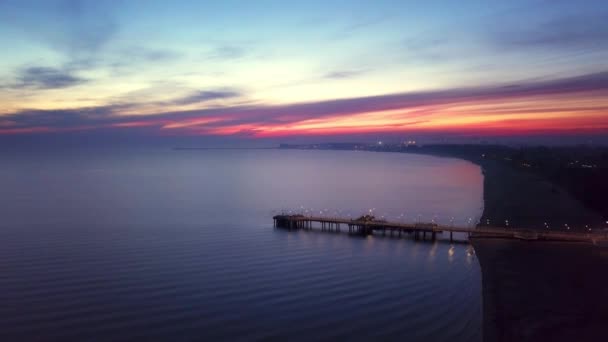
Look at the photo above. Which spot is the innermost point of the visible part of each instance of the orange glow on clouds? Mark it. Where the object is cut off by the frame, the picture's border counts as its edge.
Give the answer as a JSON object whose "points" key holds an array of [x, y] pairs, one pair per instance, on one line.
{"points": [[496, 117], [488, 112]]}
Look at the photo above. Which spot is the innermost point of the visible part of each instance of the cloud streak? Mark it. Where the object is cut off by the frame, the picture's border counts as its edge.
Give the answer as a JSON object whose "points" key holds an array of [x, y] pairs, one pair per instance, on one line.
{"points": [[71, 26], [343, 74], [565, 32], [552, 103], [207, 95], [47, 78]]}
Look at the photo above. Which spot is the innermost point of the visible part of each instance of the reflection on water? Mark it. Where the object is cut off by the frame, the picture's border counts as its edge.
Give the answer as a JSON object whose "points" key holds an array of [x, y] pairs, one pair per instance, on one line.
{"points": [[164, 244], [451, 254]]}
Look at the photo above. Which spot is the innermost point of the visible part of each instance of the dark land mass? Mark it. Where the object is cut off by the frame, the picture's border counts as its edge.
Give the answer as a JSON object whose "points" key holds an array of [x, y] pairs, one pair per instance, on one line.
{"points": [[549, 291], [535, 291]]}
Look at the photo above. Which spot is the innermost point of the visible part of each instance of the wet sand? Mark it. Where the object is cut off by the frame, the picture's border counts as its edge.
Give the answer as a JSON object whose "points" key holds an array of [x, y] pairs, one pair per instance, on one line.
{"points": [[543, 291]]}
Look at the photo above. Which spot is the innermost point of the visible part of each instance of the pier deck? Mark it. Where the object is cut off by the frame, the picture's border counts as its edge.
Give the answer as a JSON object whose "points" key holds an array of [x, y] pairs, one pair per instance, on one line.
{"points": [[420, 230]]}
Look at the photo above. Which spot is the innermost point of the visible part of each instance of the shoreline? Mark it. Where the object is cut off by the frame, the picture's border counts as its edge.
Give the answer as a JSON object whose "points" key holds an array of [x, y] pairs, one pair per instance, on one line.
{"points": [[528, 201], [550, 291], [524, 199], [532, 291]]}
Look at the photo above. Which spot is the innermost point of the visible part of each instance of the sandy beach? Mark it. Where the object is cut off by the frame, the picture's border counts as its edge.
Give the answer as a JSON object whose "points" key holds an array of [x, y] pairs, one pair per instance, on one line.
{"points": [[528, 201], [539, 291], [543, 291]]}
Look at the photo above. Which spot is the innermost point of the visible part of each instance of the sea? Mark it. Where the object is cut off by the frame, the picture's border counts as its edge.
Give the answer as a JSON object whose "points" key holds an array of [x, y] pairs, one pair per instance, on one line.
{"points": [[152, 244]]}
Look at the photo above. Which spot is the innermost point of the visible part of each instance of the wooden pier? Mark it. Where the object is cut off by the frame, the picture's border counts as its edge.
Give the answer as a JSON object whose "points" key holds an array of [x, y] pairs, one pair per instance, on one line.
{"points": [[367, 225]]}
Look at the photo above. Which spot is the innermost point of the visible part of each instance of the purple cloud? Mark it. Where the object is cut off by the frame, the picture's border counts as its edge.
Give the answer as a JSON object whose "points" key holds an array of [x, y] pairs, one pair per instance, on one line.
{"points": [[107, 116], [207, 95], [47, 78]]}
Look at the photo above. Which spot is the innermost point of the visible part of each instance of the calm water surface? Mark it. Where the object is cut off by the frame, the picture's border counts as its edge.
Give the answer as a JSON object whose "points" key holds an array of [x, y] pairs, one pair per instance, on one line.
{"points": [[179, 245]]}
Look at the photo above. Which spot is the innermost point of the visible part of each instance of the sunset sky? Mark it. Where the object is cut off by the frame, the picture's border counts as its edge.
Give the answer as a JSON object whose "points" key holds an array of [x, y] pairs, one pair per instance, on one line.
{"points": [[277, 69]]}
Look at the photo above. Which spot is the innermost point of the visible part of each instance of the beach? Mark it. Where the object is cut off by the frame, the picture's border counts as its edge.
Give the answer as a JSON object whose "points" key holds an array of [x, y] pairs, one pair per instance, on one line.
{"points": [[539, 291], [526, 200], [545, 291]]}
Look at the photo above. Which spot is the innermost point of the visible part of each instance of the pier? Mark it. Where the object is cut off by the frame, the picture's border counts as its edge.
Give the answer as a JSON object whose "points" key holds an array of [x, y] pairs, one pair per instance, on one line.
{"points": [[367, 225]]}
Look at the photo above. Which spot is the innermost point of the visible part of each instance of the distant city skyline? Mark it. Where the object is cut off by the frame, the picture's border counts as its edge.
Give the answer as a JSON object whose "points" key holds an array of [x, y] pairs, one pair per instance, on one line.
{"points": [[324, 70]]}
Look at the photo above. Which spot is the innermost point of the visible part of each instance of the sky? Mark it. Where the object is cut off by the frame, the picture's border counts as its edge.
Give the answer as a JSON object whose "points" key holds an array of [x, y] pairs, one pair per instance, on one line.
{"points": [[322, 70]]}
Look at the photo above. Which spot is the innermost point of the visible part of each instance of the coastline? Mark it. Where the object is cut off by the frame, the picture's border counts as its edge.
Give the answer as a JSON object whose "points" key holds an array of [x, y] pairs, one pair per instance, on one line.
{"points": [[539, 291], [525, 199], [550, 291], [536, 291], [528, 201]]}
